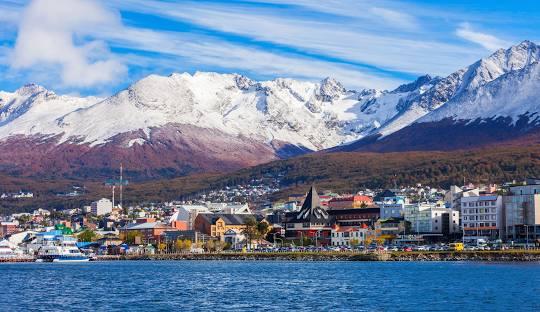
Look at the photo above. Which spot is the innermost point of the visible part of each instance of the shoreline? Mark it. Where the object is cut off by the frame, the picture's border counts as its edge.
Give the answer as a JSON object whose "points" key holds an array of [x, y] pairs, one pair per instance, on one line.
{"points": [[477, 256]]}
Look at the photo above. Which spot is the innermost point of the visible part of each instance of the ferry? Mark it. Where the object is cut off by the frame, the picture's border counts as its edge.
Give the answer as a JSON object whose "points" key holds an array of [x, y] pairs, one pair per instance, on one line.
{"points": [[55, 246]]}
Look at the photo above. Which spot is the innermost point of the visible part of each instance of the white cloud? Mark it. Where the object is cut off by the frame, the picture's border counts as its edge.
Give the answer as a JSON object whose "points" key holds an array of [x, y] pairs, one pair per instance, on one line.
{"points": [[55, 33], [354, 41], [201, 51], [489, 42], [395, 19]]}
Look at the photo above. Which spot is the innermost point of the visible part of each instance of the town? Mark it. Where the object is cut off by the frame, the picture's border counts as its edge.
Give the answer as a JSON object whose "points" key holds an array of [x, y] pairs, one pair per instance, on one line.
{"points": [[419, 218]]}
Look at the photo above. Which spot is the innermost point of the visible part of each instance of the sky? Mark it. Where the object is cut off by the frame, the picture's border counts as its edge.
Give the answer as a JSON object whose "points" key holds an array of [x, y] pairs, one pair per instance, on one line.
{"points": [[93, 47]]}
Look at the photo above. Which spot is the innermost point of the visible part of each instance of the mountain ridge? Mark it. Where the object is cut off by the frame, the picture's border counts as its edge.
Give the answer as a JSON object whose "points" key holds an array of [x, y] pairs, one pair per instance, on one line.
{"points": [[206, 122]]}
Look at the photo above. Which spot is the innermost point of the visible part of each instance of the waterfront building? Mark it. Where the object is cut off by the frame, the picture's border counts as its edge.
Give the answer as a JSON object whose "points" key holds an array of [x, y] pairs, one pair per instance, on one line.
{"points": [[101, 207], [482, 217], [348, 202], [216, 225], [348, 235], [522, 211], [312, 221], [432, 218], [149, 232], [355, 216]]}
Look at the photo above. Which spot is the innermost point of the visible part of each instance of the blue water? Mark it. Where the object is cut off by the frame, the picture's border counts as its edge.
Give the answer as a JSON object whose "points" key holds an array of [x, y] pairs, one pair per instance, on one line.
{"points": [[270, 286]]}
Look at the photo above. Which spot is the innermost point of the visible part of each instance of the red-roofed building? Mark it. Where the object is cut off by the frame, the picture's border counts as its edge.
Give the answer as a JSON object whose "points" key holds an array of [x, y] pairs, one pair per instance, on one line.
{"points": [[355, 201]]}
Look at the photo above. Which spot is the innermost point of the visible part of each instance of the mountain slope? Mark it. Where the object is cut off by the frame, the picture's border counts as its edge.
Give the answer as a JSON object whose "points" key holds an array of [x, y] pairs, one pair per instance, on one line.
{"points": [[493, 100], [184, 123]]}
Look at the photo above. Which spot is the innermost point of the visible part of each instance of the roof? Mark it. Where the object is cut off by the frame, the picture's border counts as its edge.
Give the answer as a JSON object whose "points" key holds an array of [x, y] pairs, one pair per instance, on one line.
{"points": [[312, 210], [145, 226], [230, 219], [383, 194]]}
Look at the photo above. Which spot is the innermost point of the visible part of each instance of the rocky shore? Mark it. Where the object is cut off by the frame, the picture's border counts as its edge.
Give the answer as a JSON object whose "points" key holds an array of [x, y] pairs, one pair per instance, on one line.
{"points": [[490, 256]]}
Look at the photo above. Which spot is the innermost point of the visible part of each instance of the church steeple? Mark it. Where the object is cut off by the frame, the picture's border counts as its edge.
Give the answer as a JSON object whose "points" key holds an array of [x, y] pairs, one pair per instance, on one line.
{"points": [[311, 208], [312, 199]]}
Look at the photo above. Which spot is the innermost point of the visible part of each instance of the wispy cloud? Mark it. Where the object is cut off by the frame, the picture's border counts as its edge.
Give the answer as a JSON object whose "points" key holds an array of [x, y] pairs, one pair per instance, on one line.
{"points": [[46, 37], [489, 42]]}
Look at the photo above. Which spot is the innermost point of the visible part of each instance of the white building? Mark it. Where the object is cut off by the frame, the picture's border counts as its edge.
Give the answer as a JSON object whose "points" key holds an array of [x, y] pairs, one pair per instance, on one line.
{"points": [[101, 207], [347, 235], [482, 217], [454, 195], [432, 218]]}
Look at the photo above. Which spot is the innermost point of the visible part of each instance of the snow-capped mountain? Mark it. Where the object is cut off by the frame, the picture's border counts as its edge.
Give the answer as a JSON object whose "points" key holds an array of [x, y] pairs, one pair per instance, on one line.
{"points": [[503, 87], [227, 118], [186, 123]]}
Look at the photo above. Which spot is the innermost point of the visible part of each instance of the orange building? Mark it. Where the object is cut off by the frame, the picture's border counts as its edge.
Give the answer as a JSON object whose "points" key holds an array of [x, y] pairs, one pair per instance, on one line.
{"points": [[355, 201]]}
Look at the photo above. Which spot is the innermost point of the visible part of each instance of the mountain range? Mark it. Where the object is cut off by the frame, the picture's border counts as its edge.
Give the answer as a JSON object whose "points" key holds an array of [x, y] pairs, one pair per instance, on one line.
{"points": [[209, 122]]}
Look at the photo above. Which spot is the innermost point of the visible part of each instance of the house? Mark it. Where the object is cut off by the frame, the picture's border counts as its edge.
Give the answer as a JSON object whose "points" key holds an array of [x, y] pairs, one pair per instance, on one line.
{"points": [[355, 201], [312, 221], [235, 238], [216, 225]]}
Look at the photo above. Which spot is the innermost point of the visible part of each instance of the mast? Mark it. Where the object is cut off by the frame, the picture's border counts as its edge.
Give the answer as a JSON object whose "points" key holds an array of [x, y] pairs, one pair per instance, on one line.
{"points": [[121, 185]]}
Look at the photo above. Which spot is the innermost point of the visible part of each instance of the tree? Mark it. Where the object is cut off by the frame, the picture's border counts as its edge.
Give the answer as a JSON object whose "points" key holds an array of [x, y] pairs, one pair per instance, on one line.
{"points": [[131, 236], [179, 245], [87, 236], [161, 247], [250, 230], [355, 242]]}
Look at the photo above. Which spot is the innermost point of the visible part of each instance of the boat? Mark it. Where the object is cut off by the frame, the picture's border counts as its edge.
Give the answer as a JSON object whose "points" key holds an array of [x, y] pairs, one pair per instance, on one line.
{"points": [[55, 246], [6, 250]]}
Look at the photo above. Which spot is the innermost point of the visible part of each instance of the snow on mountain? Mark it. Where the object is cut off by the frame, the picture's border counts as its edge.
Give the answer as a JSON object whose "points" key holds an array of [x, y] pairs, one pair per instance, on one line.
{"points": [[278, 113], [309, 115], [464, 81], [32, 110], [513, 94]]}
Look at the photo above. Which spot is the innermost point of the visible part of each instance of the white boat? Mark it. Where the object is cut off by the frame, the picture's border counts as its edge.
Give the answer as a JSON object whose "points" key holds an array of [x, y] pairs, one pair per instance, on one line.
{"points": [[59, 248], [7, 251]]}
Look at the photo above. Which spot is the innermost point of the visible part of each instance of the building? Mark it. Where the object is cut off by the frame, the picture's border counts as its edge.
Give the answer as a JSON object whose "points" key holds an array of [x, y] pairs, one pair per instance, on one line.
{"points": [[186, 214], [216, 225], [482, 217], [145, 233], [102, 207], [390, 229], [522, 212], [8, 228], [392, 210], [431, 218], [348, 235], [355, 201], [235, 238], [454, 195], [312, 221], [355, 216]]}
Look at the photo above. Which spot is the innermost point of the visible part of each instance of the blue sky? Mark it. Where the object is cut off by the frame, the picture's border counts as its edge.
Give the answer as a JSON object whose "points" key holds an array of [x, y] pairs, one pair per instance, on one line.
{"points": [[99, 47]]}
